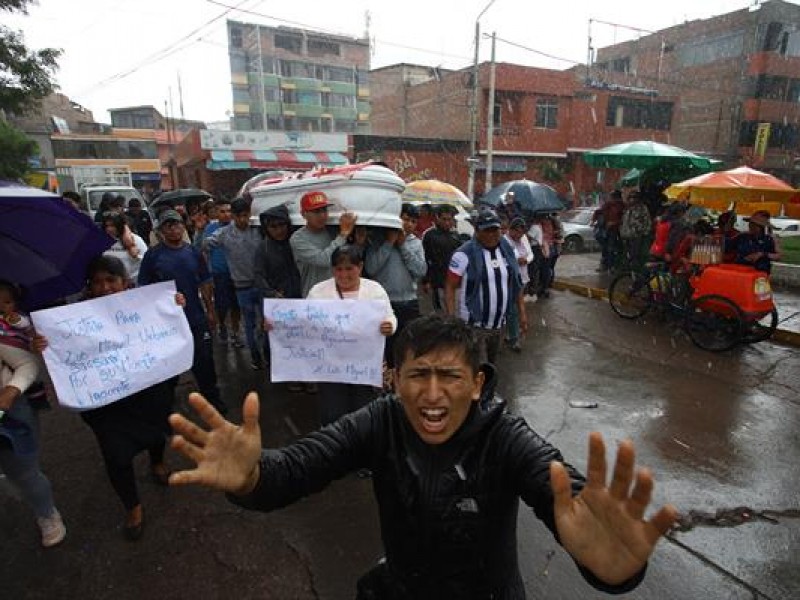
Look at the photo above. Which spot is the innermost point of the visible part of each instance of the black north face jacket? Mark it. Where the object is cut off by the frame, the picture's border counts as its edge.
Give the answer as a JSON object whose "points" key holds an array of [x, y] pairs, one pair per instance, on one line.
{"points": [[448, 513]]}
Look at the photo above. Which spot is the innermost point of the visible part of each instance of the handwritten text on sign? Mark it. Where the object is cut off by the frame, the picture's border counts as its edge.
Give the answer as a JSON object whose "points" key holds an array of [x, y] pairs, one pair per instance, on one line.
{"points": [[102, 350], [326, 340]]}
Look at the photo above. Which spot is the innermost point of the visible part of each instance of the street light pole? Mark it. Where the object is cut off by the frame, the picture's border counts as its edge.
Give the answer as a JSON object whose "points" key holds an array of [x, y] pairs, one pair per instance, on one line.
{"points": [[472, 161], [490, 121]]}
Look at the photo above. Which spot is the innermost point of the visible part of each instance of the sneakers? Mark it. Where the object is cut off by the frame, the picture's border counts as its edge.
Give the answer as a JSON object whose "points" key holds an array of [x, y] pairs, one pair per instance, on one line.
{"points": [[222, 335], [513, 345], [236, 341], [255, 365], [52, 528]]}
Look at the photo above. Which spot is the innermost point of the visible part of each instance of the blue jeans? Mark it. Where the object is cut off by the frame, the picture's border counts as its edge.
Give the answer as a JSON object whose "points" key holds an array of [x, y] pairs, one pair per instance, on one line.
{"points": [[23, 470], [249, 300]]}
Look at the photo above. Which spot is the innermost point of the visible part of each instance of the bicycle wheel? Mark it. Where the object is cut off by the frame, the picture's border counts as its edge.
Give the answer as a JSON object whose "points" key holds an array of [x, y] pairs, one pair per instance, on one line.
{"points": [[762, 329], [714, 323], [629, 296]]}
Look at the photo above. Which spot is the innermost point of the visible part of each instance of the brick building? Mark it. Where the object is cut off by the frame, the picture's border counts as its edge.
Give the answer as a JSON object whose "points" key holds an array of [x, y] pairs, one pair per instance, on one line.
{"points": [[543, 121], [738, 79]]}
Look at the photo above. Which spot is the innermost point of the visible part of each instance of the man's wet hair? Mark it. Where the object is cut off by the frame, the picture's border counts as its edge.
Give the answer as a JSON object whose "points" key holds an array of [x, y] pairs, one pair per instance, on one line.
{"points": [[70, 195], [240, 206], [348, 253], [106, 264], [432, 332]]}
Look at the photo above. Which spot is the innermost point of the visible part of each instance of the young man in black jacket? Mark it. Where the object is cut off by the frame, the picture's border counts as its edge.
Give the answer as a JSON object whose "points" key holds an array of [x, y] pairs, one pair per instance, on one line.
{"points": [[449, 466]]}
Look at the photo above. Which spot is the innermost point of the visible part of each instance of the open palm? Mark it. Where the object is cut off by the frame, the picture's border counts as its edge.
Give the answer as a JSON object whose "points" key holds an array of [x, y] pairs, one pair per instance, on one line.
{"points": [[603, 527], [226, 455]]}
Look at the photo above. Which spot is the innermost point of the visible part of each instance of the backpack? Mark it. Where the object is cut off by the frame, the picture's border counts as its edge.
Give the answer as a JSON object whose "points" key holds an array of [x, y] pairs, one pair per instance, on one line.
{"points": [[636, 222]]}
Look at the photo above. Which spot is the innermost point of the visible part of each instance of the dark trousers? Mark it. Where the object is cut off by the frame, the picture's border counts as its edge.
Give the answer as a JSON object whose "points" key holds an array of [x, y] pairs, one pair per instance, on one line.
{"points": [[203, 367], [122, 476], [405, 313], [337, 399]]}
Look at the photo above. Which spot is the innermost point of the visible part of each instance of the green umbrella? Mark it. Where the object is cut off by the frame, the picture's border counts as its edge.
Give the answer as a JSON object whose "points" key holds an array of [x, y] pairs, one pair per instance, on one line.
{"points": [[643, 155], [666, 173]]}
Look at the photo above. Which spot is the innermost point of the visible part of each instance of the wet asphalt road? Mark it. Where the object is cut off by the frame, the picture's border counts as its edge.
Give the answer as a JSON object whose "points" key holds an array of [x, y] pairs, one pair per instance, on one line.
{"points": [[719, 431]]}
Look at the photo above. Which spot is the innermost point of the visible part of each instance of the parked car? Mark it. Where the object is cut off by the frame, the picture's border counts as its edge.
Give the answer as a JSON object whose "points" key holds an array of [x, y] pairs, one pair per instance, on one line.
{"points": [[578, 231], [781, 227]]}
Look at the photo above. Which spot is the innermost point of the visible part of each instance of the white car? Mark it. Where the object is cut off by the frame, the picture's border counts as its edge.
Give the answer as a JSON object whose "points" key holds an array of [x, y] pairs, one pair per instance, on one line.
{"points": [[781, 227]]}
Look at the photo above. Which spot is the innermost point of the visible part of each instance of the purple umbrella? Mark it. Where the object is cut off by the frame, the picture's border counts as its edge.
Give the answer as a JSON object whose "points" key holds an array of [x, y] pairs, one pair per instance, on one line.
{"points": [[45, 244]]}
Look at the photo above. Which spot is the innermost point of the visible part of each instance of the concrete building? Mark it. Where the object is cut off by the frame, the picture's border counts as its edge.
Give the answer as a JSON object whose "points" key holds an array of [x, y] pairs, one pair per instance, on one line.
{"points": [[55, 113], [286, 79], [738, 79]]}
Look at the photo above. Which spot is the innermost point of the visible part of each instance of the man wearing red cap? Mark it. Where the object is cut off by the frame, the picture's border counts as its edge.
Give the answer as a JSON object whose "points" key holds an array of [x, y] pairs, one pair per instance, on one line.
{"points": [[312, 244]]}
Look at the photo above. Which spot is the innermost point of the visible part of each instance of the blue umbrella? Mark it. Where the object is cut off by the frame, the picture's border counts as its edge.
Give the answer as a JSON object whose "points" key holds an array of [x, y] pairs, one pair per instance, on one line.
{"points": [[531, 197], [45, 244]]}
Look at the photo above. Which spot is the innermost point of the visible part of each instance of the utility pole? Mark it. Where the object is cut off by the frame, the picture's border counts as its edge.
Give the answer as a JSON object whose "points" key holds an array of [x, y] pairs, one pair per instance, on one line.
{"points": [[473, 161], [490, 121]]}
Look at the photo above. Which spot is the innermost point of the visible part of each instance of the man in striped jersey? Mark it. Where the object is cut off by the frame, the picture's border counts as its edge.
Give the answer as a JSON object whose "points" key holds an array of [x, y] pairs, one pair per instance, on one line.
{"points": [[482, 283]]}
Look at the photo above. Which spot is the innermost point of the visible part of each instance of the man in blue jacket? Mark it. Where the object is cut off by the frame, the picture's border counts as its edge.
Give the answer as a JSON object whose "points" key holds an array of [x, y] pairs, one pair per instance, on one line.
{"points": [[449, 466]]}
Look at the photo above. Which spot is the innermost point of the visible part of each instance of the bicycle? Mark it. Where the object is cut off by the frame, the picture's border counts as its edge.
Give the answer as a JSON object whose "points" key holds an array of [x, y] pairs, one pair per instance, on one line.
{"points": [[713, 322]]}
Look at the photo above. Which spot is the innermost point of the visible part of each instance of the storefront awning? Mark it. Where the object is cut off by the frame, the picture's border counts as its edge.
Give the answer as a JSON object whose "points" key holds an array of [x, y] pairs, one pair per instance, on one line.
{"points": [[222, 160]]}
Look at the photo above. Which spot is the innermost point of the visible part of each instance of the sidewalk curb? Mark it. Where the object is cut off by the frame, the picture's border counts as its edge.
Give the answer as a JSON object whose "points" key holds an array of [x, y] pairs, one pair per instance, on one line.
{"points": [[784, 336]]}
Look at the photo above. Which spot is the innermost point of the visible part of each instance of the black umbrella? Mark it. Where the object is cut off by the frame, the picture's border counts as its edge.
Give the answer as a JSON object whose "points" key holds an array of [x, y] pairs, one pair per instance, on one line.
{"points": [[185, 196], [530, 196]]}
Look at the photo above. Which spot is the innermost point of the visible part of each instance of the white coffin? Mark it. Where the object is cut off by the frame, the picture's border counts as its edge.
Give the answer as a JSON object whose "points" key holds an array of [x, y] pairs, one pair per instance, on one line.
{"points": [[372, 192]]}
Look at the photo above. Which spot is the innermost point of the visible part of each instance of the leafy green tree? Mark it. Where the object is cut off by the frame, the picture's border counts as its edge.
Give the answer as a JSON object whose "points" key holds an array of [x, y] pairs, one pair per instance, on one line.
{"points": [[25, 75], [15, 148]]}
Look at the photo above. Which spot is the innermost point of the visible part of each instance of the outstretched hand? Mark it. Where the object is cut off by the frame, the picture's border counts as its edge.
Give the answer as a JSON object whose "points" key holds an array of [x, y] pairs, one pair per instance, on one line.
{"points": [[603, 527], [227, 455]]}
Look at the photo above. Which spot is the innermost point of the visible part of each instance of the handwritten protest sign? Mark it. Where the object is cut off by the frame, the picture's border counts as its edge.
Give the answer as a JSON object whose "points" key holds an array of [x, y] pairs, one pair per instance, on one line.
{"points": [[326, 340], [102, 350]]}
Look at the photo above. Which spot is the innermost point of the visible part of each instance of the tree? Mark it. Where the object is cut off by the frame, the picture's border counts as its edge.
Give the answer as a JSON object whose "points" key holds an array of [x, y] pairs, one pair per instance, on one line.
{"points": [[25, 75], [15, 149]]}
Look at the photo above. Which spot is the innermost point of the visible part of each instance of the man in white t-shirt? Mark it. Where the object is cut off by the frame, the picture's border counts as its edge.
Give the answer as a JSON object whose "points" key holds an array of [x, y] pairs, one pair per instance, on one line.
{"points": [[483, 281]]}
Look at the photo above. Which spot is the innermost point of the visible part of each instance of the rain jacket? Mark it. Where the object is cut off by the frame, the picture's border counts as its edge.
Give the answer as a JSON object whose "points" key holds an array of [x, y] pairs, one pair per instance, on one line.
{"points": [[448, 512], [275, 272]]}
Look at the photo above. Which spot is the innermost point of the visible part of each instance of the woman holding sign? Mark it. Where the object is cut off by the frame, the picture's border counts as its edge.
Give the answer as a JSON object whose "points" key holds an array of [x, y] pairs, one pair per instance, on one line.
{"points": [[337, 399], [129, 426]]}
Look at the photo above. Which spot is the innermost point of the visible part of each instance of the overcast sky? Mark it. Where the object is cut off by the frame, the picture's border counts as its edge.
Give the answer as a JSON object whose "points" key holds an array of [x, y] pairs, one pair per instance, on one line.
{"points": [[129, 52]]}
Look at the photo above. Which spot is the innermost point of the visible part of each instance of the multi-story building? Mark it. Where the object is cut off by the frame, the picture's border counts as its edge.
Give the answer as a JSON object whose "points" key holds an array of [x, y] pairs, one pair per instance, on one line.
{"points": [[286, 79], [542, 120], [147, 123], [738, 79]]}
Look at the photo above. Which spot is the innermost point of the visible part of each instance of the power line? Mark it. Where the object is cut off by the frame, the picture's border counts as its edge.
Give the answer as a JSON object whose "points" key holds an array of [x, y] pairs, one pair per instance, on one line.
{"points": [[545, 54], [165, 52], [331, 32]]}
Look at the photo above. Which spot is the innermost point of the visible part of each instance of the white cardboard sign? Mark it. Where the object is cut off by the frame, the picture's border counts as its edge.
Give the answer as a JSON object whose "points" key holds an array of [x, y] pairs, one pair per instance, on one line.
{"points": [[326, 340], [105, 349]]}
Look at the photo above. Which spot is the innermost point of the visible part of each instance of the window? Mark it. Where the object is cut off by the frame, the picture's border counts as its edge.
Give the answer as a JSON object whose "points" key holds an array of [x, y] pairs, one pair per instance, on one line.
{"points": [[238, 63], [340, 74], [621, 65], [242, 95], [289, 96], [327, 125], [236, 37], [547, 113], [345, 126], [497, 115], [638, 114], [113, 149], [321, 48], [770, 87], [308, 98], [289, 123], [273, 122], [711, 50], [292, 43], [307, 124]]}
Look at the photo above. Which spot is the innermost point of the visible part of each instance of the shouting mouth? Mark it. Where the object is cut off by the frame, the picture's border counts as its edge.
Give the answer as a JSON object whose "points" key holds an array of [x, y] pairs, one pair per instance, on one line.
{"points": [[433, 420]]}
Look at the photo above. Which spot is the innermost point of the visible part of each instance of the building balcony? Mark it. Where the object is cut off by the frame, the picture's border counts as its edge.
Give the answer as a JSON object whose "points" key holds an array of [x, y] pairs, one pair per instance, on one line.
{"points": [[768, 111], [304, 110]]}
